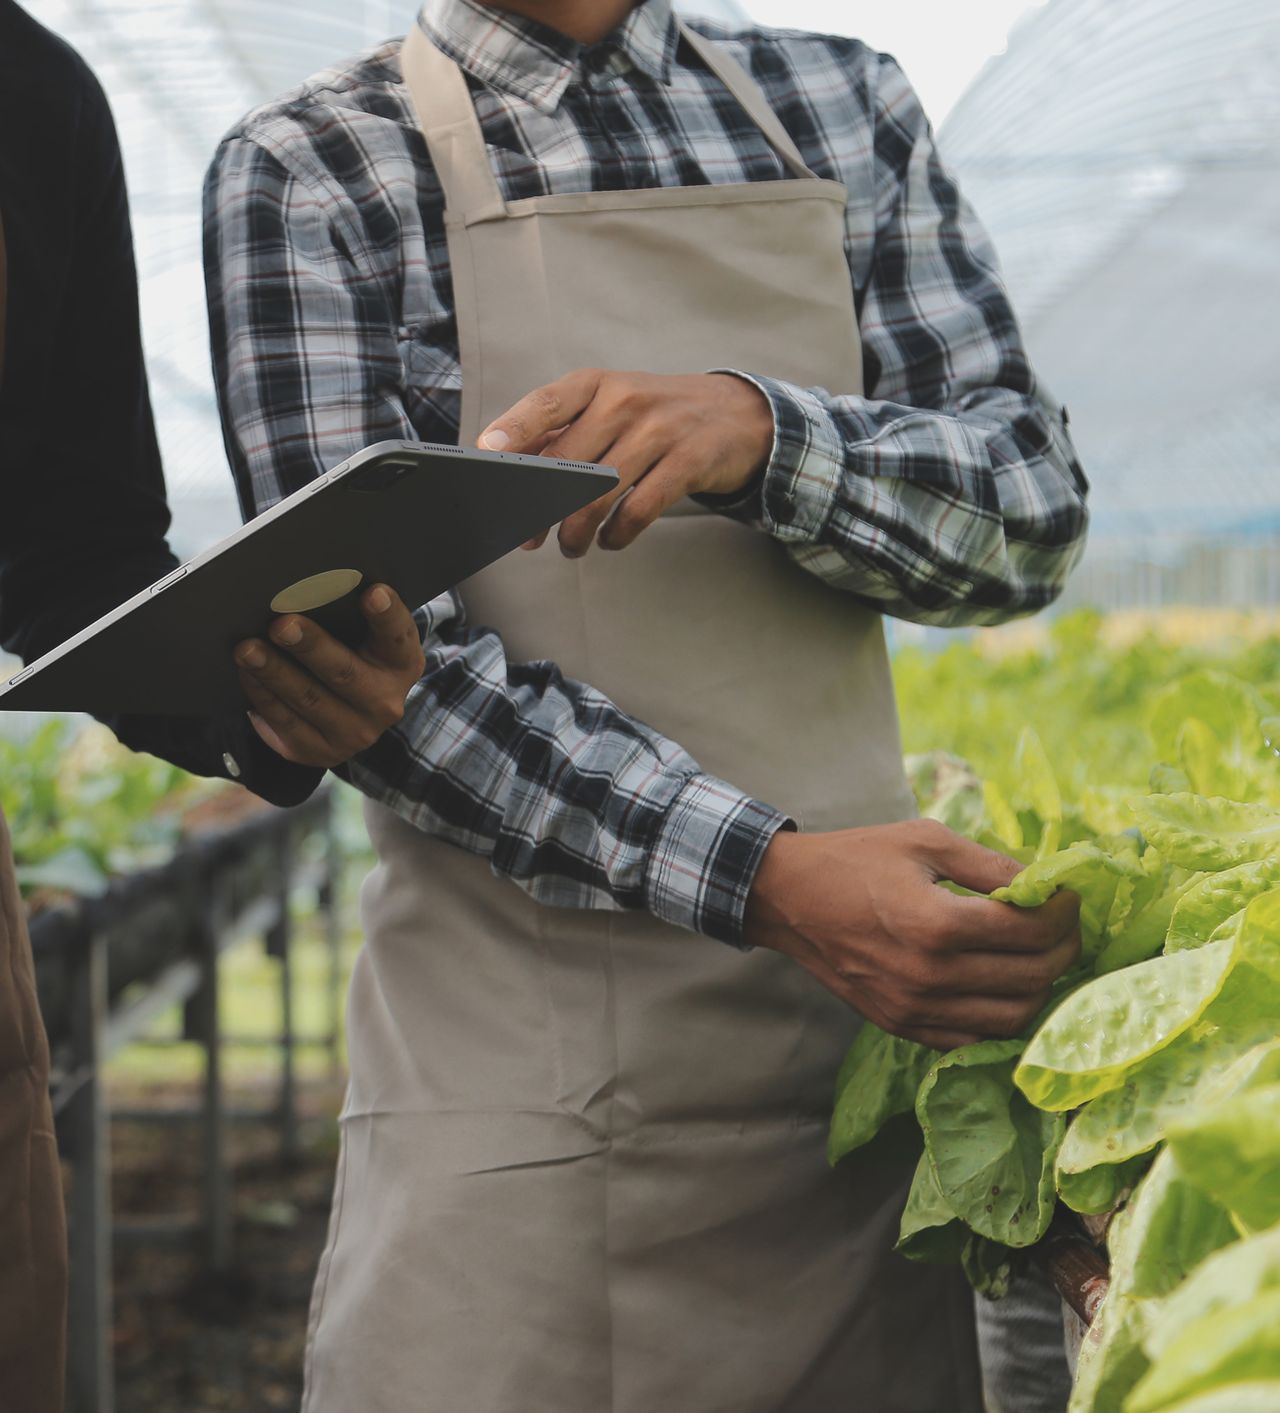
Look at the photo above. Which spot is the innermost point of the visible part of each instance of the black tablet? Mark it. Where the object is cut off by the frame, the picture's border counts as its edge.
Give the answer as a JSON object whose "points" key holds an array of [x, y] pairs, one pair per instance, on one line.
{"points": [[421, 518]]}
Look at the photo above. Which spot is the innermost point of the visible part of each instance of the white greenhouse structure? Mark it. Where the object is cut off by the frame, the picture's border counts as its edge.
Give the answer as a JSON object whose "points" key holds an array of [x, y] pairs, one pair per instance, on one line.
{"points": [[1125, 157]]}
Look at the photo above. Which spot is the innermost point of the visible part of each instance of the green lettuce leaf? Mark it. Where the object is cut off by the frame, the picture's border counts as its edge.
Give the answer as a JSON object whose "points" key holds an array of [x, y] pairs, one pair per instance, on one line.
{"points": [[1167, 1229], [1209, 834], [879, 1078], [1130, 1120], [1217, 897], [1101, 1187], [992, 1152], [1100, 1032], [1235, 1344], [1111, 1359], [1232, 1276], [930, 1231], [1232, 1150], [988, 1265], [1259, 943], [1039, 787], [1168, 780], [1142, 936], [1207, 763], [1231, 710], [1005, 824], [1087, 869], [1251, 1397]]}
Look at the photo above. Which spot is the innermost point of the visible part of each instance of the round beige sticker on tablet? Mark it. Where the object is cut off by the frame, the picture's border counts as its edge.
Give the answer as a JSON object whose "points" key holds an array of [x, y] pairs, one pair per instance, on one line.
{"points": [[316, 591]]}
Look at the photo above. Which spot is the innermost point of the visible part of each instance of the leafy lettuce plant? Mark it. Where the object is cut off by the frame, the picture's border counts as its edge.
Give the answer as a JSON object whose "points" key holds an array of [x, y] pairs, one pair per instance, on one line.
{"points": [[1151, 1085]]}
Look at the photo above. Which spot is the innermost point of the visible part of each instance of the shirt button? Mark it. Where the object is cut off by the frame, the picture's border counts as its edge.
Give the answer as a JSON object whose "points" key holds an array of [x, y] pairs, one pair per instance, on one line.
{"points": [[232, 765]]}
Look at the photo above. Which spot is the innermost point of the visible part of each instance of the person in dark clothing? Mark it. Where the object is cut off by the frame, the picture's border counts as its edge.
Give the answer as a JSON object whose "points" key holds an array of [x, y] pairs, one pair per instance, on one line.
{"points": [[83, 524], [83, 515]]}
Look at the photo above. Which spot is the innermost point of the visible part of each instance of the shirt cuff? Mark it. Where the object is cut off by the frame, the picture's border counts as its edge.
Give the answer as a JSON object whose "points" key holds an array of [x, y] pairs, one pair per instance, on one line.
{"points": [[222, 747], [268, 775], [706, 857], [805, 463]]}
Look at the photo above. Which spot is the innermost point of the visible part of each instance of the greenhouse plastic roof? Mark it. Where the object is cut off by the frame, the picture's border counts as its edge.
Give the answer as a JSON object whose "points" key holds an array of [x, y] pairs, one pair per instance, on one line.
{"points": [[1125, 157], [1126, 160], [178, 74]]}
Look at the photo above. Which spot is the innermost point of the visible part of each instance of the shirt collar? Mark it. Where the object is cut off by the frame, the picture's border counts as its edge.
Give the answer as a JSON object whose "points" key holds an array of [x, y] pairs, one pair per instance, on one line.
{"points": [[534, 62]]}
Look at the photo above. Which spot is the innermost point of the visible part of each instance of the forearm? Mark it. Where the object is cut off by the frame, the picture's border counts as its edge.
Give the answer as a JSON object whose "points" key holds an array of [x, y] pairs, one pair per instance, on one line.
{"points": [[562, 792]]}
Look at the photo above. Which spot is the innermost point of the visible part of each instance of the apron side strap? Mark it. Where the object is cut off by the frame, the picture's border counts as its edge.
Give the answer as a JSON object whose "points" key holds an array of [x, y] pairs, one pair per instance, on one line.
{"points": [[749, 94], [442, 102]]}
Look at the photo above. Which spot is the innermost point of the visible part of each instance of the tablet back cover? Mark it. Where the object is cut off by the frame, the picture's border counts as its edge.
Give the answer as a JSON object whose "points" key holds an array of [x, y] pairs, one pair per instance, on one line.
{"points": [[422, 529]]}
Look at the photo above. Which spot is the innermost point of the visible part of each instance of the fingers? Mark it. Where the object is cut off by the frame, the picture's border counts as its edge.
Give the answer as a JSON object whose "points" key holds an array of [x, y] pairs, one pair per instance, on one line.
{"points": [[393, 634], [546, 447], [649, 481], [970, 865], [578, 532], [282, 729], [937, 1037], [302, 709], [668, 482], [526, 425], [978, 924], [629, 451], [267, 734], [372, 681], [319, 702], [990, 1017], [1002, 973]]}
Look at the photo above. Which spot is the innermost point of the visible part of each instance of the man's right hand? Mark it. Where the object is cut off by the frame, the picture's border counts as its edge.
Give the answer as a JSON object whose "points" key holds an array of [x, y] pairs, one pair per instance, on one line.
{"points": [[862, 911]]}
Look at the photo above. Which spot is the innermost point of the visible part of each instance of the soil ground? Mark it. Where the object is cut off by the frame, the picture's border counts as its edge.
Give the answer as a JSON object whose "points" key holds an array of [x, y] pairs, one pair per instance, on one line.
{"points": [[189, 1342]]}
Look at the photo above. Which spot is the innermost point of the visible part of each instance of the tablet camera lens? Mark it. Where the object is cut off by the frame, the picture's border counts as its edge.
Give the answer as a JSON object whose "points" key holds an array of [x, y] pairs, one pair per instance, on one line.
{"points": [[379, 477]]}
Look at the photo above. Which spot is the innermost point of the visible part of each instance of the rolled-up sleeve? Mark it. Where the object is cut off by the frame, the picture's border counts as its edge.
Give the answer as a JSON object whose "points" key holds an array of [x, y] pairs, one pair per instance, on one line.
{"points": [[950, 492]]}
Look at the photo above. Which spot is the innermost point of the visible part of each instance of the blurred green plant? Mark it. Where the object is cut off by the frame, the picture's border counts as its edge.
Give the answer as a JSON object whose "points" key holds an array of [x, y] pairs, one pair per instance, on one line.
{"points": [[81, 808]]}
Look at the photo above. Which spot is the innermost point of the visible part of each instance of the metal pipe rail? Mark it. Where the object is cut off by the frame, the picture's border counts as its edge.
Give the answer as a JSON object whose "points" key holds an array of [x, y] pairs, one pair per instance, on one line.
{"points": [[107, 967]]}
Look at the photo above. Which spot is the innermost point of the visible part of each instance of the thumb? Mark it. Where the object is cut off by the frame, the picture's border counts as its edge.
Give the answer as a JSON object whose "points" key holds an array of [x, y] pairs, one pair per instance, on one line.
{"points": [[393, 634], [960, 860]]}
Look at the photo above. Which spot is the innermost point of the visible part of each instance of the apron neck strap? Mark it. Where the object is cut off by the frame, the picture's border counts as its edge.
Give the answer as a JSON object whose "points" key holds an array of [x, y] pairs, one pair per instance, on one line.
{"points": [[447, 117], [750, 95], [448, 121]]}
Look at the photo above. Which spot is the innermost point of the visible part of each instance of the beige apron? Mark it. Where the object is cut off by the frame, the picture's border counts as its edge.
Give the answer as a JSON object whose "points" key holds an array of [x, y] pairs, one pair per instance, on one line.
{"points": [[583, 1151]]}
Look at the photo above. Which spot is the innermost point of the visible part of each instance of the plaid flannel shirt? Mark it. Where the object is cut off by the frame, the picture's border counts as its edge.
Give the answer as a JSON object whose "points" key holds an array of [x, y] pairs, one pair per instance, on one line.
{"points": [[948, 494]]}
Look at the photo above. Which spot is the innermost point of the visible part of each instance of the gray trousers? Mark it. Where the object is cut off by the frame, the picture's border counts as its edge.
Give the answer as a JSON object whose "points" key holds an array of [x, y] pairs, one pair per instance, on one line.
{"points": [[1021, 1342]]}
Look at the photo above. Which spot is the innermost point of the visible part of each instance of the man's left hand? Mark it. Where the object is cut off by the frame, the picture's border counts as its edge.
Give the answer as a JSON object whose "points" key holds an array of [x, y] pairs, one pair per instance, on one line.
{"points": [[316, 701], [667, 436]]}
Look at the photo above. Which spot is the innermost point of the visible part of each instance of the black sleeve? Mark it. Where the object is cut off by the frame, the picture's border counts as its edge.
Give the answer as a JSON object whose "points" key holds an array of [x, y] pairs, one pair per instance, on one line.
{"points": [[84, 513]]}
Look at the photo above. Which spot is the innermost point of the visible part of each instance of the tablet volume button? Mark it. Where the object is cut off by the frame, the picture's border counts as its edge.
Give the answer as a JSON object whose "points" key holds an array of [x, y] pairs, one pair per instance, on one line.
{"points": [[319, 484], [169, 579]]}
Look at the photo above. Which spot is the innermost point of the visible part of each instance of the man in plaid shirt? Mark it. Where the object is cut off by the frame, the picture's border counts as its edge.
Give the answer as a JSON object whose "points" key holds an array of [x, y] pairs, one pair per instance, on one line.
{"points": [[948, 495], [946, 492]]}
